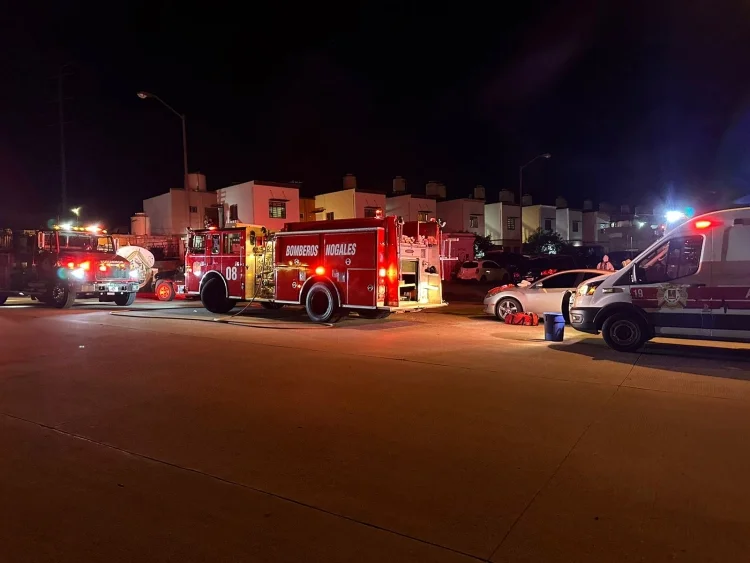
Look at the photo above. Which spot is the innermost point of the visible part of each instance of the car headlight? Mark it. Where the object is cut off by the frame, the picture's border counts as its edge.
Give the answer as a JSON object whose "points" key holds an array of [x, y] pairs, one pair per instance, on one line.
{"points": [[588, 288], [78, 273], [134, 274]]}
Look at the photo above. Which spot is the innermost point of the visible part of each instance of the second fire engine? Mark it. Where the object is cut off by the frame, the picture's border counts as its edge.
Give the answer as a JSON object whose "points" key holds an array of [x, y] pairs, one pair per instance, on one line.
{"points": [[371, 266]]}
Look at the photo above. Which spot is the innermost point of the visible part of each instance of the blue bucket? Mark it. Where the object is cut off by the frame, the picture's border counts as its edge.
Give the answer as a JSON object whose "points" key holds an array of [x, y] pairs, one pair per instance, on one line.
{"points": [[554, 327]]}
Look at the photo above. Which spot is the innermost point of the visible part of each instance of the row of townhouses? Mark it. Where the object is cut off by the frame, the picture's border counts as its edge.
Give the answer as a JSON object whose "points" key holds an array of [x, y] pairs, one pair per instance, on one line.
{"points": [[273, 204]]}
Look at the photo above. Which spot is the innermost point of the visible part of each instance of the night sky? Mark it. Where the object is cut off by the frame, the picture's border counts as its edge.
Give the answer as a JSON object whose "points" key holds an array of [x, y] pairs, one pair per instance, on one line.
{"points": [[635, 100]]}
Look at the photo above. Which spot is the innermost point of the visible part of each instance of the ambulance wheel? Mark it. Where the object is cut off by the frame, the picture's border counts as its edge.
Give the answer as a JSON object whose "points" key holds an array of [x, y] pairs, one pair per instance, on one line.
{"points": [[271, 306], [214, 297], [373, 314], [125, 300], [61, 296], [624, 333], [3, 300], [164, 291], [321, 305]]}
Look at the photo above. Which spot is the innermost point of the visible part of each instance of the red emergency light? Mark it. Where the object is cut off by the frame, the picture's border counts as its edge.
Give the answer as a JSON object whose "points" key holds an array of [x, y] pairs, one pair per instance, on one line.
{"points": [[703, 224]]}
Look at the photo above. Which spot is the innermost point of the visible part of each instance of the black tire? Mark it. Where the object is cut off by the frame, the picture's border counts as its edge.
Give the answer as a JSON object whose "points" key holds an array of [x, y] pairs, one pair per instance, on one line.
{"points": [[61, 297], [321, 303], [513, 306], [271, 306], [373, 313], [125, 300], [565, 307], [624, 332], [164, 290], [214, 297]]}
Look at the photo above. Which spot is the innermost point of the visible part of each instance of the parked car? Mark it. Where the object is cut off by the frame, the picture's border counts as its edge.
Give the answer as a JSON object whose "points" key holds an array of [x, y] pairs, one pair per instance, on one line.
{"points": [[483, 271], [537, 267], [549, 294], [516, 264]]}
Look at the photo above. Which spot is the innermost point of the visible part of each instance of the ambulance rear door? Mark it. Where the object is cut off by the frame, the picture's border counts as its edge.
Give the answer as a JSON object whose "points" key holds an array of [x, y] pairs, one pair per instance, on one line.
{"points": [[732, 281]]}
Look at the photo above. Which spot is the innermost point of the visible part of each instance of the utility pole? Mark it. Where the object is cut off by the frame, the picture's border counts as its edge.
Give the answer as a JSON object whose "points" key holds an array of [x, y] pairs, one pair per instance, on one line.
{"points": [[63, 167]]}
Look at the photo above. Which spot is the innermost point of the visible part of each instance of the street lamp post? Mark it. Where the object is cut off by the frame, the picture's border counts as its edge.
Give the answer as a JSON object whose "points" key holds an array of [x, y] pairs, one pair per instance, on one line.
{"points": [[520, 176], [143, 96]]}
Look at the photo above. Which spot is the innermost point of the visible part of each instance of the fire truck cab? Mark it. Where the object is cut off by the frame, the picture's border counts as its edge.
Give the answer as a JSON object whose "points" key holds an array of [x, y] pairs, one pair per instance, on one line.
{"points": [[58, 265], [371, 266]]}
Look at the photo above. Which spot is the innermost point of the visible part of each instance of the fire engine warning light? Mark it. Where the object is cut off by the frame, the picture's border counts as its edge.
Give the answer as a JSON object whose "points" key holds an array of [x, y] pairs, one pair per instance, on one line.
{"points": [[320, 270]]}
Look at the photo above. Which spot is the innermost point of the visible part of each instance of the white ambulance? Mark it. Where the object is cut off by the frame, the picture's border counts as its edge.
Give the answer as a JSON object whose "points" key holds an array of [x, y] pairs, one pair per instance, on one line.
{"points": [[692, 283]]}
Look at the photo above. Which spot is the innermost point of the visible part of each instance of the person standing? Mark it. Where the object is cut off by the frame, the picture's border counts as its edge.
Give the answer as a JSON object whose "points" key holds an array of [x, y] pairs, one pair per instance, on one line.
{"points": [[605, 264]]}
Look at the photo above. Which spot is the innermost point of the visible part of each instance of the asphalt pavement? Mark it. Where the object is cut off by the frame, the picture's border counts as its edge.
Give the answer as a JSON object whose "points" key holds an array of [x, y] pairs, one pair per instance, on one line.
{"points": [[162, 432]]}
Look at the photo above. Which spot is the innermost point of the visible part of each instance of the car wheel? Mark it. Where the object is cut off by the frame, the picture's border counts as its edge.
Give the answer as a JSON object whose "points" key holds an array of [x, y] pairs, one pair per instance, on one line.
{"points": [[507, 306], [321, 303], [565, 306], [624, 332], [164, 290]]}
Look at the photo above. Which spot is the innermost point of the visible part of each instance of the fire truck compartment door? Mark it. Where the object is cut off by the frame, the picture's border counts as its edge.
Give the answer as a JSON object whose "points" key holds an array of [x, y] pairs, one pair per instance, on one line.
{"points": [[361, 287]]}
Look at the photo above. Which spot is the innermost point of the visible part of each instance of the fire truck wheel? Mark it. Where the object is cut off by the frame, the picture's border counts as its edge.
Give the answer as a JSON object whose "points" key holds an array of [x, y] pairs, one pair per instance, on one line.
{"points": [[214, 297], [62, 297], [3, 300], [125, 299], [373, 314], [321, 305], [164, 291], [271, 306]]}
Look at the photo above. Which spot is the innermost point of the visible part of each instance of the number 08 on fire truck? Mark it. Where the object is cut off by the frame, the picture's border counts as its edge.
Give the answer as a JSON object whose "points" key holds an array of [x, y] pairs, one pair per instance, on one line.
{"points": [[371, 266]]}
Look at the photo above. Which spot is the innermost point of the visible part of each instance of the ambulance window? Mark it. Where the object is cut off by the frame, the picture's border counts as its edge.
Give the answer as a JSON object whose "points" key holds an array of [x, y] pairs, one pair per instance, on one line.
{"points": [[198, 244], [738, 244], [676, 258], [232, 243], [215, 244]]}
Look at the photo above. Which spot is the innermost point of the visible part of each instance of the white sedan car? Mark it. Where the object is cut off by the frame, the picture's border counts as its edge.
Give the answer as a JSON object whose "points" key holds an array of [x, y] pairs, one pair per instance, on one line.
{"points": [[483, 271], [547, 295]]}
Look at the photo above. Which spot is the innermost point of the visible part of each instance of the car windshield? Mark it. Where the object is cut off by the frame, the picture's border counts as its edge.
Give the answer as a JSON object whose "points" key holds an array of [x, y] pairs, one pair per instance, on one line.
{"points": [[81, 241], [470, 265]]}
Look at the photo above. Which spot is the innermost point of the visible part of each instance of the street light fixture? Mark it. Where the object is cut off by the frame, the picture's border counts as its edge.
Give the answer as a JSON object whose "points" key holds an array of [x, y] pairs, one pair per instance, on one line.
{"points": [[77, 212], [143, 95], [520, 176]]}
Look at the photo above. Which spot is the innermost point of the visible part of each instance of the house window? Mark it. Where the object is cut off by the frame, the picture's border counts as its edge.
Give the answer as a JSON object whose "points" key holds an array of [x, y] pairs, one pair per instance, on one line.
{"points": [[373, 212], [233, 216], [576, 226], [473, 221], [193, 209], [276, 209], [329, 216], [423, 216], [510, 223], [548, 224]]}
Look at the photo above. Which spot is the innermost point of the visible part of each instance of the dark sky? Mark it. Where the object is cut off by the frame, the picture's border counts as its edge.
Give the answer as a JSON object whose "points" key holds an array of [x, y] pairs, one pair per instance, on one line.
{"points": [[635, 100]]}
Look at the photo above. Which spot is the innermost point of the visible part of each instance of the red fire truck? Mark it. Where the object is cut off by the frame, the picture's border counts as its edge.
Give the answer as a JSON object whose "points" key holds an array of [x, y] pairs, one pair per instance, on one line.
{"points": [[371, 266], [55, 266]]}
